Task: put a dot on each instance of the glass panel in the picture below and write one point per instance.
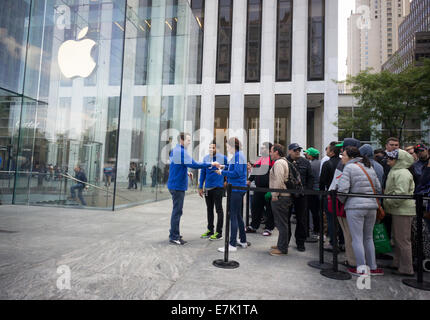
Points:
(284, 40)
(13, 40)
(316, 40)
(221, 123)
(253, 43)
(252, 125)
(282, 119)
(225, 17)
(10, 111)
(198, 7)
(170, 30)
(73, 71)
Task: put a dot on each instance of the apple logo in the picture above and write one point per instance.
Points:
(74, 57)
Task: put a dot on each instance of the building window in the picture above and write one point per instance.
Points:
(198, 7)
(252, 125)
(142, 42)
(284, 40)
(170, 29)
(225, 19)
(253, 41)
(316, 40)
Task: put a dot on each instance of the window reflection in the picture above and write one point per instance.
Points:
(284, 40)
(316, 40)
(253, 41)
(225, 16)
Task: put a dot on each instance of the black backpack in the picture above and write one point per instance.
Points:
(294, 181)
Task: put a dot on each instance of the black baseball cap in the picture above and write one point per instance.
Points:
(294, 146)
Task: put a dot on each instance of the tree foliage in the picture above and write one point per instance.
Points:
(389, 103)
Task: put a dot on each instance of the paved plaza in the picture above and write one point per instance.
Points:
(126, 255)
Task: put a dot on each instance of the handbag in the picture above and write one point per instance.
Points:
(380, 213)
(381, 239)
(340, 207)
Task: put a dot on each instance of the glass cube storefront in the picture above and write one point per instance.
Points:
(95, 84)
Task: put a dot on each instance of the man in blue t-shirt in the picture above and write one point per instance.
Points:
(213, 191)
(177, 184)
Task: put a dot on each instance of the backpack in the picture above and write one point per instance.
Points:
(294, 182)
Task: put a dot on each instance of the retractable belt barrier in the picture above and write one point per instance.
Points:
(331, 270)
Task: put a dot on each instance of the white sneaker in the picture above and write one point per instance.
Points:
(242, 244)
(230, 249)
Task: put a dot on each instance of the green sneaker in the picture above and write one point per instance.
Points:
(216, 236)
(207, 234)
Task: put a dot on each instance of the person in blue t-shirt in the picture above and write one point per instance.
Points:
(177, 183)
(213, 191)
(236, 173)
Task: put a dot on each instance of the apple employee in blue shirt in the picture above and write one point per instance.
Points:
(177, 184)
(236, 173)
(214, 191)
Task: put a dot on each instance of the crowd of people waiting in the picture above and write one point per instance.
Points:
(348, 167)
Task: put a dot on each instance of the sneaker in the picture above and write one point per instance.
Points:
(274, 247)
(207, 234)
(354, 272)
(178, 242)
(377, 272)
(250, 229)
(215, 236)
(230, 249)
(244, 245)
(277, 252)
(301, 248)
(267, 233)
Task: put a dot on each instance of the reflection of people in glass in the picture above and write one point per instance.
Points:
(108, 171)
(132, 176)
(154, 176)
(144, 175)
(80, 185)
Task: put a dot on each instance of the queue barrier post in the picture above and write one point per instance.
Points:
(320, 264)
(334, 273)
(224, 263)
(419, 283)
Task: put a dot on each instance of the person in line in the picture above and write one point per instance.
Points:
(345, 232)
(236, 172)
(312, 155)
(423, 159)
(359, 177)
(107, 171)
(411, 151)
(80, 185)
(281, 202)
(260, 175)
(366, 150)
(326, 177)
(400, 182)
(132, 176)
(213, 192)
(177, 184)
(299, 203)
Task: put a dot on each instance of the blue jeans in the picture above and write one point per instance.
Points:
(178, 203)
(236, 203)
(78, 187)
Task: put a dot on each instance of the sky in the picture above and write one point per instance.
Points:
(345, 7)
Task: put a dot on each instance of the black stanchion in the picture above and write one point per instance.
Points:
(334, 273)
(247, 208)
(419, 283)
(224, 263)
(320, 264)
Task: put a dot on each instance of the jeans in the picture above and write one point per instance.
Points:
(301, 226)
(236, 203)
(361, 224)
(178, 204)
(313, 205)
(78, 187)
(214, 197)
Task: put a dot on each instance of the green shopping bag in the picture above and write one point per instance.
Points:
(381, 239)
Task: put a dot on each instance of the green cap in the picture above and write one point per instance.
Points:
(340, 144)
(312, 152)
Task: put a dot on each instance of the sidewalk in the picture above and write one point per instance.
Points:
(126, 255)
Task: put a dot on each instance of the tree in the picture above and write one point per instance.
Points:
(392, 102)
